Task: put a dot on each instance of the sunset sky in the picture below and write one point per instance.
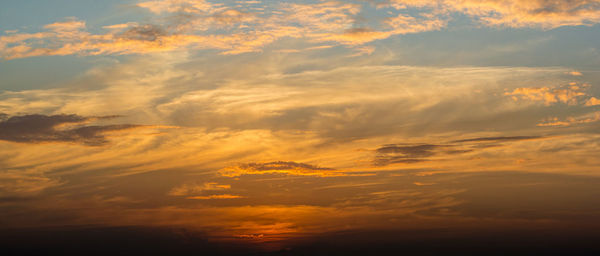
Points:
(272, 122)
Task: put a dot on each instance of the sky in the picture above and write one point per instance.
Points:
(278, 123)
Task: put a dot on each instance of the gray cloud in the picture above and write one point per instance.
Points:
(146, 32)
(398, 153)
(282, 165)
(43, 128)
(278, 167)
(415, 153)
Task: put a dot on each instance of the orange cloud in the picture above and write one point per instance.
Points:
(187, 6)
(593, 101)
(70, 28)
(190, 189)
(565, 94)
(423, 183)
(588, 118)
(225, 196)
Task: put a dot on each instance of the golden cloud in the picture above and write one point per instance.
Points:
(224, 196)
(593, 101)
(549, 95)
(584, 119)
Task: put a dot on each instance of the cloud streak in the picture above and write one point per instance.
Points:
(191, 189)
(418, 153)
(279, 167)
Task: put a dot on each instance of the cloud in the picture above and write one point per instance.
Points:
(24, 183)
(224, 196)
(414, 153)
(57, 128)
(418, 153)
(144, 33)
(191, 189)
(72, 24)
(196, 25)
(390, 154)
(234, 29)
(279, 167)
(583, 119)
(186, 6)
(546, 14)
(569, 94)
(231, 29)
(499, 139)
(424, 183)
(593, 101)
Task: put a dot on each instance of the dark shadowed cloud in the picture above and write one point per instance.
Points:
(397, 153)
(403, 153)
(416, 153)
(56, 128)
(146, 32)
(282, 167)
